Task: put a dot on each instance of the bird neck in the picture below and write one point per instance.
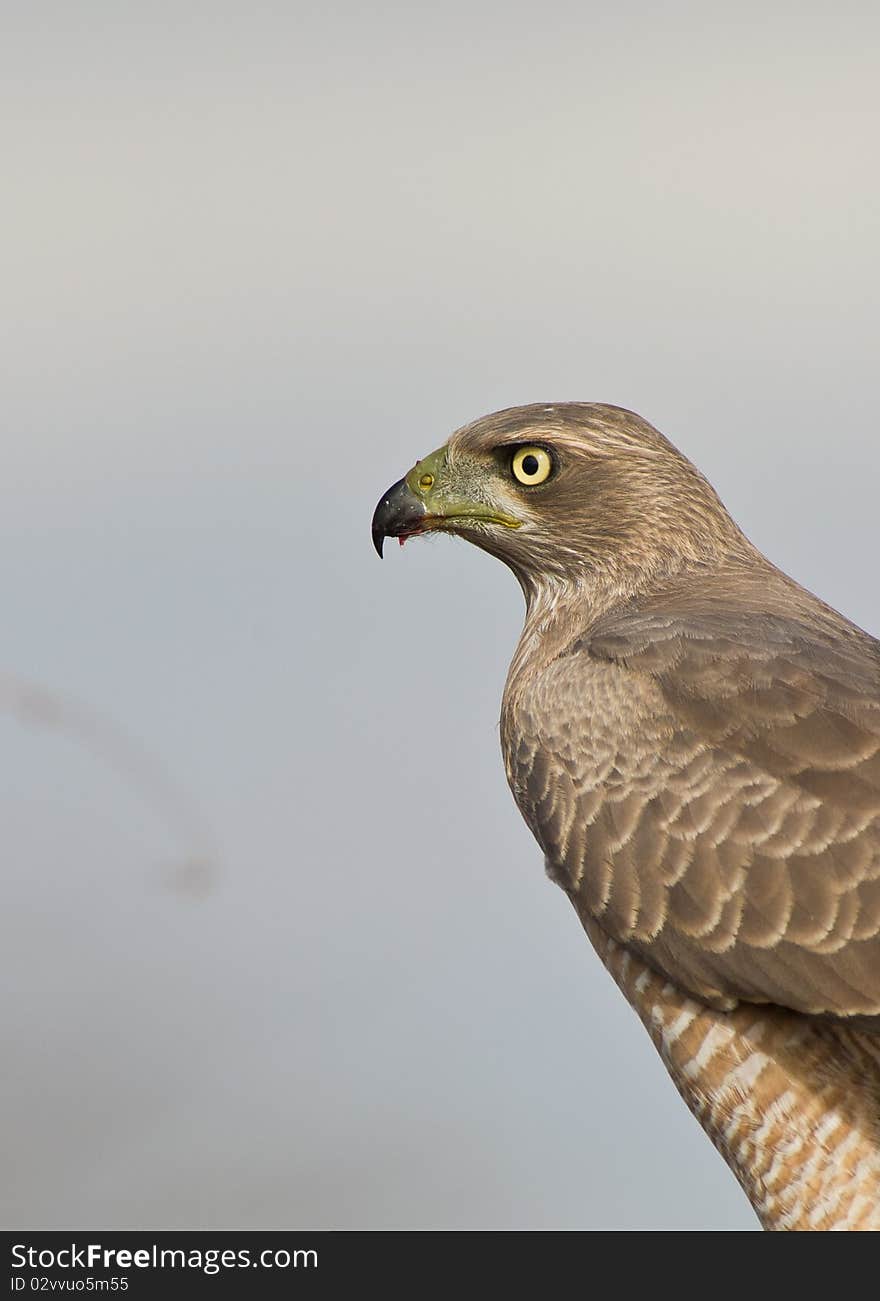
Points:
(562, 607)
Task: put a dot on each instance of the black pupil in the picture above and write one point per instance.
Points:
(530, 466)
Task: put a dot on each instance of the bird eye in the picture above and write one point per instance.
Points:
(531, 465)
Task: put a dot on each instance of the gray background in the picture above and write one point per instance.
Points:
(298, 964)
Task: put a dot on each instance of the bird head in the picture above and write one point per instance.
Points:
(573, 493)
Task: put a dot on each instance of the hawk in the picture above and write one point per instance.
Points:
(694, 741)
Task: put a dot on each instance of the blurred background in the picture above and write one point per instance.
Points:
(278, 951)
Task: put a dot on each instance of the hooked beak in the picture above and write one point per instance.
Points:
(426, 499)
(399, 514)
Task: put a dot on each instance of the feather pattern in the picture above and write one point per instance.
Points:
(722, 803)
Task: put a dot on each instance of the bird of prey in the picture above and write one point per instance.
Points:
(694, 741)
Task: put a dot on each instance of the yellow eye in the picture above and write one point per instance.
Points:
(531, 465)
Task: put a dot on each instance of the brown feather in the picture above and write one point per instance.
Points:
(694, 741)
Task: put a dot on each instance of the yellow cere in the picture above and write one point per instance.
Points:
(531, 465)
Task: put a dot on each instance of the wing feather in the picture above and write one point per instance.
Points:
(704, 778)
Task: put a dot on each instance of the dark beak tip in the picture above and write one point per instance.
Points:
(399, 513)
(379, 528)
